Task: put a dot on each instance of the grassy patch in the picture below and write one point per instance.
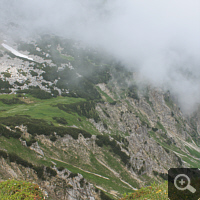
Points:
(153, 192)
(160, 126)
(112, 184)
(6, 74)
(39, 109)
(14, 146)
(13, 189)
(185, 157)
(193, 152)
(108, 98)
(148, 180)
(143, 118)
(69, 58)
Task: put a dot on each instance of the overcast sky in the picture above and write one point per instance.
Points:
(160, 38)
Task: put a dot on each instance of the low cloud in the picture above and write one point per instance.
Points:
(160, 39)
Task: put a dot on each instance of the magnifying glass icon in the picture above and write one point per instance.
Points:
(182, 182)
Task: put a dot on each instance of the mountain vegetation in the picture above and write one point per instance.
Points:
(17, 190)
(75, 121)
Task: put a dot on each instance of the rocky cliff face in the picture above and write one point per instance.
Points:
(65, 186)
(136, 119)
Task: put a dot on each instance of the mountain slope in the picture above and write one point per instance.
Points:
(77, 110)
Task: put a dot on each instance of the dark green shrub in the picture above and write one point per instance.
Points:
(66, 173)
(45, 84)
(166, 150)
(121, 139)
(40, 130)
(5, 85)
(38, 126)
(18, 83)
(96, 190)
(113, 103)
(115, 148)
(30, 142)
(104, 139)
(6, 74)
(72, 175)
(168, 141)
(51, 172)
(53, 138)
(61, 169)
(86, 109)
(7, 91)
(16, 135)
(105, 125)
(145, 124)
(81, 88)
(141, 170)
(154, 129)
(36, 92)
(99, 143)
(106, 114)
(3, 154)
(133, 92)
(40, 171)
(7, 133)
(33, 73)
(54, 93)
(155, 173)
(60, 120)
(85, 134)
(15, 158)
(82, 182)
(104, 196)
(163, 176)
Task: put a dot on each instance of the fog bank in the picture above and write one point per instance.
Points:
(160, 39)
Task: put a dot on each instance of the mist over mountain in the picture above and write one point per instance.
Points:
(98, 99)
(158, 39)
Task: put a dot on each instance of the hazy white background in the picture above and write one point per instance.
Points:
(160, 38)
